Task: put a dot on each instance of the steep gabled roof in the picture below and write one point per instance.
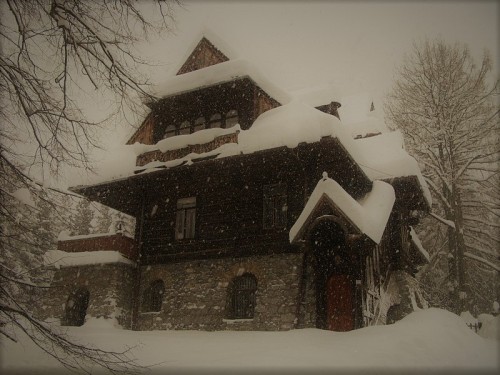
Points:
(369, 215)
(205, 54)
(216, 74)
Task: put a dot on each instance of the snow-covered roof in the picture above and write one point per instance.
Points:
(384, 157)
(381, 157)
(216, 74)
(65, 236)
(61, 259)
(317, 96)
(369, 214)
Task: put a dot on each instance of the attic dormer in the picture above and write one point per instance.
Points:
(209, 91)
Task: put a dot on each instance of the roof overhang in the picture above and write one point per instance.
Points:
(368, 215)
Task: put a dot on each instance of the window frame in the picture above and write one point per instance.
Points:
(184, 128)
(242, 297)
(170, 131)
(199, 124)
(152, 299)
(231, 119)
(185, 219)
(275, 206)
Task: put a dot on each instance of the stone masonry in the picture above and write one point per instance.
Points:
(196, 293)
(110, 287)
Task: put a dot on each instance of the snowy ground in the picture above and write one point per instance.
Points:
(431, 340)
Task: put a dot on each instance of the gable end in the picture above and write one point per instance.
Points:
(205, 54)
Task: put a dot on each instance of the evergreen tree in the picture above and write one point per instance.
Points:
(82, 220)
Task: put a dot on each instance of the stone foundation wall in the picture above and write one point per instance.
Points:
(110, 288)
(196, 293)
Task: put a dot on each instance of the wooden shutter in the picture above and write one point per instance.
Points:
(179, 224)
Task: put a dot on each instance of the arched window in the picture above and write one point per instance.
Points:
(153, 296)
(170, 131)
(76, 307)
(185, 128)
(199, 124)
(215, 121)
(231, 118)
(241, 297)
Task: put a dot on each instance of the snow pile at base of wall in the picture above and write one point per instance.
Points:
(426, 341)
(61, 259)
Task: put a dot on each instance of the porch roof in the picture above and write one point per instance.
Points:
(369, 214)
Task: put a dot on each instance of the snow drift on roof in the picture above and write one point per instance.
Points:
(61, 259)
(369, 215)
(288, 125)
(380, 157)
(317, 96)
(384, 157)
(216, 74)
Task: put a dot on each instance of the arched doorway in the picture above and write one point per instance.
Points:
(335, 297)
(76, 307)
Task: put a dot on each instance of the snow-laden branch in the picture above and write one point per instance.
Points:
(482, 260)
(449, 223)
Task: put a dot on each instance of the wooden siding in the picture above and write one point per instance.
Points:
(204, 54)
(263, 102)
(126, 246)
(229, 195)
(144, 134)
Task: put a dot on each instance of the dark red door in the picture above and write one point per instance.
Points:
(339, 303)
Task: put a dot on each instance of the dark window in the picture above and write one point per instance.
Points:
(231, 118)
(199, 124)
(275, 206)
(186, 218)
(153, 296)
(185, 128)
(242, 297)
(215, 121)
(76, 307)
(170, 131)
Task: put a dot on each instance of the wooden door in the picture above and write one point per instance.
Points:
(339, 303)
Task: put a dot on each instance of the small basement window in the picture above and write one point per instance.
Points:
(185, 218)
(153, 296)
(241, 297)
(76, 307)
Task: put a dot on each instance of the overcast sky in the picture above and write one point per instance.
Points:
(354, 45)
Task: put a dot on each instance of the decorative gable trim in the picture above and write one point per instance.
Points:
(205, 54)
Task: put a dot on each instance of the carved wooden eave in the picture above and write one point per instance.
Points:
(169, 155)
